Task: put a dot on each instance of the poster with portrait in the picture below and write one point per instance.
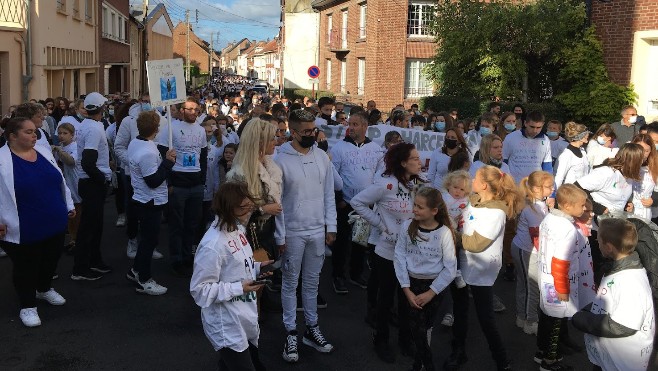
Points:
(166, 81)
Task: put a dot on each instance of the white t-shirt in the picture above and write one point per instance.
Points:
(43, 140)
(143, 160)
(525, 155)
(626, 297)
(608, 187)
(73, 121)
(438, 168)
(527, 228)
(188, 139)
(455, 207)
(569, 168)
(643, 190)
(481, 269)
(91, 135)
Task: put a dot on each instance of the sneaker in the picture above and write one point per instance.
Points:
(194, 248)
(459, 280)
(322, 304)
(520, 323)
(101, 268)
(498, 305)
(359, 282)
(157, 255)
(132, 276)
(150, 287)
(384, 352)
(530, 328)
(2, 253)
(327, 251)
(455, 360)
(121, 220)
(510, 273)
(86, 275)
(448, 320)
(539, 357)
(30, 317)
(52, 297)
(131, 249)
(290, 353)
(314, 338)
(339, 286)
(555, 366)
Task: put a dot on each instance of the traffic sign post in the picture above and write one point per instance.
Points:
(314, 73)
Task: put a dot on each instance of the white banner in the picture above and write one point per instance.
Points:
(425, 141)
(166, 82)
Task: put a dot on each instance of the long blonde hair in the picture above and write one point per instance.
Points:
(485, 147)
(254, 141)
(535, 179)
(503, 189)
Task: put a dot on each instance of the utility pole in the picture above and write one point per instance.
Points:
(187, 59)
(210, 56)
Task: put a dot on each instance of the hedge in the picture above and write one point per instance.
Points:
(293, 94)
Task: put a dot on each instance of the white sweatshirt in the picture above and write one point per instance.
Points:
(355, 164)
(455, 207)
(643, 190)
(229, 315)
(308, 199)
(569, 167)
(394, 205)
(438, 168)
(430, 256)
(597, 153)
(527, 228)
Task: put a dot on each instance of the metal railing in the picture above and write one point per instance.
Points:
(338, 39)
(418, 92)
(13, 13)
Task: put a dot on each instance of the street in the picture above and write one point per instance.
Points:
(105, 325)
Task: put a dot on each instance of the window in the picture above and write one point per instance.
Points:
(343, 32)
(105, 20)
(361, 82)
(330, 25)
(328, 73)
(362, 21)
(420, 19)
(76, 9)
(343, 76)
(89, 11)
(61, 6)
(416, 83)
(114, 25)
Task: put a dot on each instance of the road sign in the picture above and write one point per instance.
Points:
(314, 72)
(313, 81)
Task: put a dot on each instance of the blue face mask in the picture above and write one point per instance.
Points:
(600, 140)
(440, 125)
(146, 106)
(552, 134)
(287, 133)
(510, 127)
(484, 131)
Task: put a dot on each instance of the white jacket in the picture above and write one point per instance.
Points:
(128, 131)
(8, 207)
(229, 315)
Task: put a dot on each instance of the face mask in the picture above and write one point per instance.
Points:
(496, 163)
(285, 104)
(235, 112)
(146, 106)
(510, 127)
(451, 143)
(288, 134)
(484, 131)
(307, 141)
(600, 140)
(226, 102)
(111, 112)
(440, 125)
(552, 134)
(633, 119)
(324, 145)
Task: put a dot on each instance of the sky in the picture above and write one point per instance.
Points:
(233, 20)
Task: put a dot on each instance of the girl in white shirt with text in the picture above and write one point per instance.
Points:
(600, 146)
(572, 164)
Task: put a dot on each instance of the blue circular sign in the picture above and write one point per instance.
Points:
(314, 72)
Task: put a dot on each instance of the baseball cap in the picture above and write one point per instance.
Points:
(94, 101)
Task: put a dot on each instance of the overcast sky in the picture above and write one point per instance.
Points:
(232, 19)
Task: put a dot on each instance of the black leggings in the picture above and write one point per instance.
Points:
(422, 320)
(388, 286)
(34, 266)
(548, 335)
(247, 360)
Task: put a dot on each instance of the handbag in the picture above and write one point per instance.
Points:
(360, 228)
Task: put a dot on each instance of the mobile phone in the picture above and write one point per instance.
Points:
(270, 267)
(261, 282)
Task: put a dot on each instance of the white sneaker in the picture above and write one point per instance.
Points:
(520, 322)
(2, 253)
(459, 280)
(131, 250)
(30, 317)
(157, 255)
(150, 287)
(121, 220)
(448, 320)
(52, 297)
(530, 328)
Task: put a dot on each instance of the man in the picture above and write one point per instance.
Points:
(355, 158)
(186, 184)
(626, 128)
(307, 223)
(326, 106)
(414, 110)
(371, 105)
(93, 169)
(341, 118)
(528, 150)
(494, 107)
(338, 107)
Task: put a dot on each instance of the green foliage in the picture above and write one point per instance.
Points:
(293, 94)
(591, 96)
(473, 108)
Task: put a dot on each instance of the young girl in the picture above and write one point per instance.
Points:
(425, 264)
(536, 188)
(66, 155)
(572, 164)
(643, 189)
(600, 146)
(226, 162)
(496, 199)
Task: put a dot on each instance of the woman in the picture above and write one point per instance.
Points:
(644, 189)
(490, 153)
(392, 196)
(520, 113)
(572, 163)
(508, 124)
(33, 218)
(400, 119)
(61, 108)
(600, 146)
(440, 158)
(36, 113)
(224, 281)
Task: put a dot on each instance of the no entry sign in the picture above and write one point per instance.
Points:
(314, 72)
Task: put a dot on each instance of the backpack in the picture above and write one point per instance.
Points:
(647, 249)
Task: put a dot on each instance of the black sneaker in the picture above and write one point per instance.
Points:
(384, 352)
(322, 304)
(359, 282)
(314, 338)
(555, 366)
(101, 268)
(455, 360)
(339, 286)
(510, 273)
(290, 353)
(85, 275)
(539, 357)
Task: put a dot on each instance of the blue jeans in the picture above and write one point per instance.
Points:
(184, 218)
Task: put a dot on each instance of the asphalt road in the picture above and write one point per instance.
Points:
(105, 325)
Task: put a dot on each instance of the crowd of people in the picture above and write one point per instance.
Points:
(255, 198)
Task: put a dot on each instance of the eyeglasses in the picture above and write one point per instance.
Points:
(308, 132)
(191, 109)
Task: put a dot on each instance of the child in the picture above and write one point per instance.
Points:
(457, 186)
(562, 271)
(572, 164)
(558, 144)
(496, 200)
(226, 162)
(536, 188)
(66, 155)
(619, 323)
(425, 264)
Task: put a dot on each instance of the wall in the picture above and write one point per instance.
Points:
(300, 49)
(12, 64)
(114, 53)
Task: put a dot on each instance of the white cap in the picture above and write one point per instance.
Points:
(94, 101)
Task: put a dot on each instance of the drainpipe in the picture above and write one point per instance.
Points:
(27, 53)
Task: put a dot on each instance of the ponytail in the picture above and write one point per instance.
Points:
(535, 179)
(503, 189)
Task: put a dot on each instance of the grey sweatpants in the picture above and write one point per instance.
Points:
(527, 288)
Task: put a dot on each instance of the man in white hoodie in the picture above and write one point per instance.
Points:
(310, 221)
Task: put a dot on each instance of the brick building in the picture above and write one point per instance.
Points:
(114, 47)
(388, 67)
(199, 49)
(628, 30)
(229, 59)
